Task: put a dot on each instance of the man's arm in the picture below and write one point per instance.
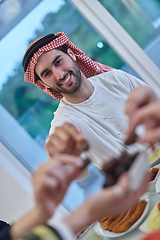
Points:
(50, 182)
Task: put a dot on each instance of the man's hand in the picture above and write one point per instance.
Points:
(66, 139)
(138, 98)
(149, 116)
(142, 107)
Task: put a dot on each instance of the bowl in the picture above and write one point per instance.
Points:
(151, 185)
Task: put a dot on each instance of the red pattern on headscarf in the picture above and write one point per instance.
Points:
(87, 66)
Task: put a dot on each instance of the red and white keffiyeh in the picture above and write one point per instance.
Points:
(87, 66)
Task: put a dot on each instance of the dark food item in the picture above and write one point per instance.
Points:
(154, 172)
(131, 139)
(116, 166)
(86, 161)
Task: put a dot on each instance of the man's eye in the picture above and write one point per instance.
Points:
(47, 73)
(58, 62)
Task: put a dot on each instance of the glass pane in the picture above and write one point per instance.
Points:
(32, 108)
(141, 19)
(12, 12)
(27, 111)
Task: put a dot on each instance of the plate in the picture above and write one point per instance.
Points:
(83, 232)
(143, 227)
(97, 227)
(157, 184)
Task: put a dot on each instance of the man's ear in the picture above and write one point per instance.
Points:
(71, 53)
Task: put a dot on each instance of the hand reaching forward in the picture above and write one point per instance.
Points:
(66, 139)
(149, 116)
(139, 98)
(142, 108)
(51, 181)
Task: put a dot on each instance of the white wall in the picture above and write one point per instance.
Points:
(16, 196)
(16, 193)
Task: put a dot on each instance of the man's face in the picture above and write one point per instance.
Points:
(59, 71)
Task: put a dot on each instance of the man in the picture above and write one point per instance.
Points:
(91, 95)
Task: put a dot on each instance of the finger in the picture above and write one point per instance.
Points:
(66, 159)
(66, 139)
(149, 116)
(152, 136)
(123, 181)
(46, 183)
(59, 142)
(80, 142)
(140, 97)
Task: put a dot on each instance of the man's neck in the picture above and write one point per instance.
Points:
(82, 94)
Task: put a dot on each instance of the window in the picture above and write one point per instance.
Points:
(141, 19)
(26, 112)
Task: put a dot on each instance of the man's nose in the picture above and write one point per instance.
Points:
(58, 73)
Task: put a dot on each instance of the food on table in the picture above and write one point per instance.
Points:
(154, 156)
(152, 236)
(116, 166)
(154, 172)
(131, 139)
(122, 222)
(153, 221)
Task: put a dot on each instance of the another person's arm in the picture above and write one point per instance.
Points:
(104, 203)
(50, 181)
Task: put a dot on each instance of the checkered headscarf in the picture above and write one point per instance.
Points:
(87, 66)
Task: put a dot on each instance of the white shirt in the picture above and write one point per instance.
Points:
(101, 118)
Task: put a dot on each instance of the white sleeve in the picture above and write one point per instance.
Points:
(63, 230)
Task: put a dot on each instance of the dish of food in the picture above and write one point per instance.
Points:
(152, 223)
(154, 156)
(155, 172)
(123, 223)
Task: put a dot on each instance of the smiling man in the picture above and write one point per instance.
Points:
(92, 98)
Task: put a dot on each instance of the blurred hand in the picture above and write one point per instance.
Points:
(141, 108)
(51, 180)
(149, 116)
(138, 98)
(66, 139)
